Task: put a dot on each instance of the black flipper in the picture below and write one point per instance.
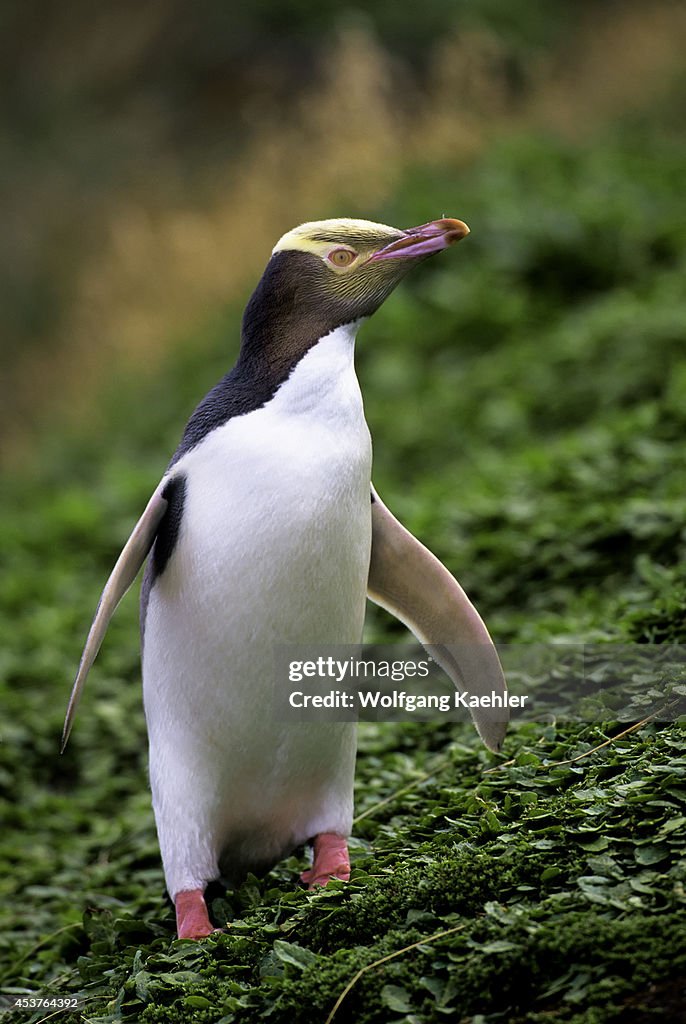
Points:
(124, 573)
(409, 581)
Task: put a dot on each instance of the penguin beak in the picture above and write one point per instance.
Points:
(424, 240)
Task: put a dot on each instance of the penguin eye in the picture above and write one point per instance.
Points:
(342, 257)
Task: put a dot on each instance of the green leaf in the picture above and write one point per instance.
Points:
(293, 954)
(396, 999)
(651, 854)
(497, 946)
(595, 845)
(143, 985)
(198, 1002)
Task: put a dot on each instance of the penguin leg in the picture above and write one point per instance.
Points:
(331, 860)
(192, 918)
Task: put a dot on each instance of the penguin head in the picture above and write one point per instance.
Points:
(327, 273)
(353, 265)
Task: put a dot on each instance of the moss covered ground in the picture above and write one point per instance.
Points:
(527, 399)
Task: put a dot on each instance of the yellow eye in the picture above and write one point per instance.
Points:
(342, 257)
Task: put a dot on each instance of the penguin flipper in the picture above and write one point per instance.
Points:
(409, 581)
(126, 569)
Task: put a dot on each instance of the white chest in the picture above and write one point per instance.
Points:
(276, 529)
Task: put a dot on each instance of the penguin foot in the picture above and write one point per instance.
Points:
(331, 860)
(192, 919)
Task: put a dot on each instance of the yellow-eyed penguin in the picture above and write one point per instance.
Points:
(265, 530)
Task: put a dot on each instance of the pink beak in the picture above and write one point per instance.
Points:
(424, 240)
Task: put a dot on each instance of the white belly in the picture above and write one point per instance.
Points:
(274, 548)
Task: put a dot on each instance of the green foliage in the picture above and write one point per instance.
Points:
(527, 398)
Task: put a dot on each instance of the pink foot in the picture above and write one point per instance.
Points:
(330, 860)
(192, 919)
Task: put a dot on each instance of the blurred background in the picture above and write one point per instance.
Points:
(150, 155)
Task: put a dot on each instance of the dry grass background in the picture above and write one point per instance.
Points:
(171, 251)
